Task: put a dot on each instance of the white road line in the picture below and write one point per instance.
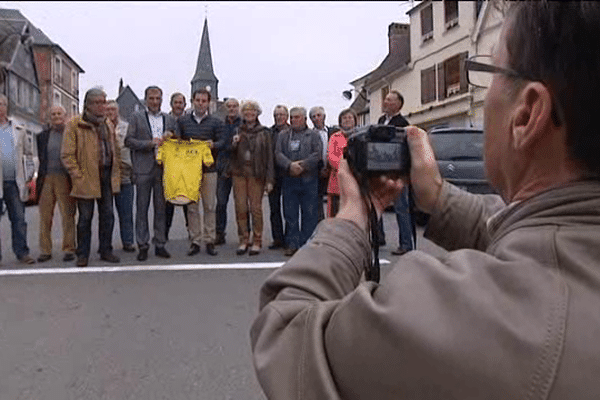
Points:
(144, 268)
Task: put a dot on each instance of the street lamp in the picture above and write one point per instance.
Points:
(347, 94)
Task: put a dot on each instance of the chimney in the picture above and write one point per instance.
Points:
(399, 40)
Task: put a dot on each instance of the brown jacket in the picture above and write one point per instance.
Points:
(258, 142)
(79, 155)
(514, 314)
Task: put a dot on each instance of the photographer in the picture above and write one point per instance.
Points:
(512, 313)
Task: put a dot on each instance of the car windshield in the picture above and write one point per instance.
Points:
(457, 146)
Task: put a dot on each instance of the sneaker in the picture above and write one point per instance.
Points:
(27, 259)
(242, 249)
(44, 257)
(254, 250)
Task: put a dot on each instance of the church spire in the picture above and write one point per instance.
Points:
(205, 75)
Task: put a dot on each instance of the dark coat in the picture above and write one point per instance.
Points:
(397, 120)
(42, 148)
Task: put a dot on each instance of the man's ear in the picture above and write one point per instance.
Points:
(531, 115)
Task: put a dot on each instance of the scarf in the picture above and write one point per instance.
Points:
(104, 148)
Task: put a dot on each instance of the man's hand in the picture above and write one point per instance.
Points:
(210, 143)
(157, 141)
(296, 168)
(424, 173)
(269, 188)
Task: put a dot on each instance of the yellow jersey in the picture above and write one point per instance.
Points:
(182, 172)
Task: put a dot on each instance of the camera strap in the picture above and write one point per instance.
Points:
(373, 271)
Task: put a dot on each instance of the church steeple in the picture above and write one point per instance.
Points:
(205, 75)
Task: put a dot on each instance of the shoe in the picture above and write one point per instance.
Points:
(27, 259)
(142, 255)
(399, 251)
(290, 252)
(110, 257)
(210, 249)
(276, 245)
(68, 257)
(129, 248)
(194, 249)
(82, 262)
(161, 252)
(220, 239)
(44, 257)
(254, 250)
(242, 249)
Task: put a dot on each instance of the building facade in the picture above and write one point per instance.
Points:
(58, 73)
(433, 81)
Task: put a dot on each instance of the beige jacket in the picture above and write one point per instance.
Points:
(19, 133)
(79, 154)
(515, 314)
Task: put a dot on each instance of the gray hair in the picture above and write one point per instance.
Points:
(315, 110)
(251, 104)
(232, 100)
(113, 103)
(93, 92)
(281, 107)
(298, 110)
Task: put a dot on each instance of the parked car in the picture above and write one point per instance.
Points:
(459, 155)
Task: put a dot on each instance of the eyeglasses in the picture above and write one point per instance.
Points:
(480, 74)
(480, 71)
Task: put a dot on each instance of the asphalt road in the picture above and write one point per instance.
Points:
(167, 329)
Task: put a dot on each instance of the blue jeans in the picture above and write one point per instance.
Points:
(275, 212)
(300, 196)
(403, 217)
(223, 191)
(124, 206)
(16, 215)
(106, 218)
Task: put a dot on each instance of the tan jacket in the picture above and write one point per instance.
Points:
(517, 316)
(79, 155)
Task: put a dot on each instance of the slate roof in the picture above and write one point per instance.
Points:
(10, 35)
(14, 17)
(204, 67)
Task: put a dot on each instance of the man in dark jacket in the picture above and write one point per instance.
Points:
(200, 125)
(224, 182)
(280, 116)
(392, 104)
(53, 185)
(146, 132)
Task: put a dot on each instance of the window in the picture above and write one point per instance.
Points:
(57, 96)
(66, 76)
(478, 7)
(57, 70)
(427, 23)
(74, 83)
(452, 76)
(428, 85)
(451, 13)
(384, 92)
(74, 110)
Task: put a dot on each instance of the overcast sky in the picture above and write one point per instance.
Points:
(295, 53)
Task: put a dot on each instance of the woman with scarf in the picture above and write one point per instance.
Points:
(338, 141)
(252, 172)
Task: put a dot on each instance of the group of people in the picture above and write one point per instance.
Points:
(98, 158)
